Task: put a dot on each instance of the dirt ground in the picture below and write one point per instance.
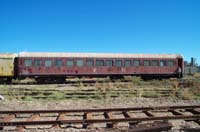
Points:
(78, 103)
(107, 103)
(90, 103)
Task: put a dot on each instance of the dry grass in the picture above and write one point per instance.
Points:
(186, 95)
(190, 90)
(104, 90)
(196, 89)
(137, 80)
(197, 75)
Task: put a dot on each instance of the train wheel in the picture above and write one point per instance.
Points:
(5, 80)
(60, 80)
(1, 81)
(9, 81)
(40, 80)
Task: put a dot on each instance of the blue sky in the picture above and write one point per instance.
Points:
(111, 26)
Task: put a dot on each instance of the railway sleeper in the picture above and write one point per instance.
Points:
(61, 116)
(87, 116)
(108, 115)
(32, 118)
(156, 126)
(190, 129)
(128, 115)
(7, 119)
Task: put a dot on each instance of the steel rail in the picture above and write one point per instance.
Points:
(100, 109)
(50, 122)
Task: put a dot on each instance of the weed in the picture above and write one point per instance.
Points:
(140, 92)
(58, 95)
(80, 84)
(151, 94)
(186, 95)
(136, 80)
(27, 98)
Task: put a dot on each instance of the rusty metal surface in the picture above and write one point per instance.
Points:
(152, 127)
(64, 70)
(107, 120)
(188, 108)
(89, 117)
(61, 116)
(190, 129)
(108, 115)
(94, 70)
(8, 118)
(32, 118)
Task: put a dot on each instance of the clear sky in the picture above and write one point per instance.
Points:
(110, 26)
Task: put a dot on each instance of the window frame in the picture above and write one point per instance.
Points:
(108, 63)
(157, 63)
(78, 64)
(136, 60)
(25, 62)
(40, 63)
(164, 64)
(56, 62)
(119, 60)
(144, 63)
(173, 63)
(45, 63)
(70, 60)
(125, 64)
(99, 60)
(90, 60)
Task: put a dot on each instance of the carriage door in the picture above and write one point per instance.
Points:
(180, 64)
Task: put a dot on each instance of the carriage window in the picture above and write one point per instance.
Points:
(127, 63)
(58, 63)
(70, 63)
(99, 62)
(89, 63)
(136, 63)
(28, 63)
(79, 62)
(163, 63)
(170, 63)
(146, 63)
(109, 63)
(38, 63)
(48, 63)
(118, 63)
(154, 63)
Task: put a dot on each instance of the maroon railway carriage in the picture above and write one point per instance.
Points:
(57, 66)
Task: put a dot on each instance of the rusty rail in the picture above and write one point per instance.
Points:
(101, 109)
(8, 118)
(17, 123)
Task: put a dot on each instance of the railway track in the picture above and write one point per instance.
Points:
(124, 82)
(134, 118)
(85, 93)
(93, 89)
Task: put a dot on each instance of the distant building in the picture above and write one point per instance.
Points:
(193, 62)
(191, 68)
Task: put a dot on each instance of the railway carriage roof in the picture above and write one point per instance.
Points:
(96, 55)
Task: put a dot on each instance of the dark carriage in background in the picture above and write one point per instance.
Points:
(58, 66)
